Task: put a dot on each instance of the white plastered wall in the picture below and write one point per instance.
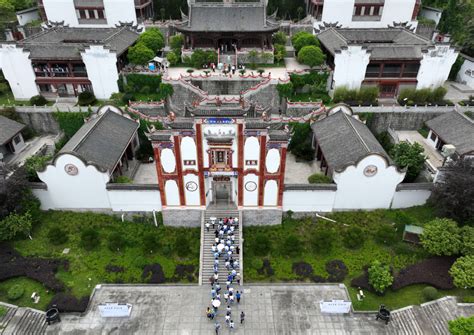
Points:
(251, 194)
(251, 152)
(341, 11)
(135, 200)
(355, 190)
(410, 198)
(86, 190)
(118, 11)
(270, 196)
(18, 71)
(466, 73)
(309, 201)
(350, 66)
(101, 65)
(192, 197)
(188, 153)
(435, 66)
(61, 10)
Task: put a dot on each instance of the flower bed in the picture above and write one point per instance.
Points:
(39, 269)
(432, 271)
(153, 274)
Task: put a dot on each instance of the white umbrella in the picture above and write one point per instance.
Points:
(220, 247)
(216, 303)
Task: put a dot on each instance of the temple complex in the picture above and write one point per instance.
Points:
(228, 26)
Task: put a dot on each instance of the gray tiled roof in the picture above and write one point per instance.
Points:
(456, 129)
(181, 125)
(218, 112)
(383, 43)
(68, 43)
(103, 140)
(234, 18)
(161, 136)
(278, 135)
(345, 140)
(8, 129)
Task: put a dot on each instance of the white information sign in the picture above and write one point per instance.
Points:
(115, 310)
(335, 306)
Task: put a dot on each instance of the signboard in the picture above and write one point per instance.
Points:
(335, 306)
(115, 310)
(221, 174)
(215, 120)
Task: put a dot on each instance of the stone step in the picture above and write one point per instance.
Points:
(8, 316)
(26, 321)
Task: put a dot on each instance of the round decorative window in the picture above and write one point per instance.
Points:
(250, 186)
(191, 186)
(71, 169)
(370, 171)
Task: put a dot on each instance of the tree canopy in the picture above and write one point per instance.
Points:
(441, 237)
(140, 54)
(153, 39)
(453, 194)
(311, 55)
(410, 156)
(462, 272)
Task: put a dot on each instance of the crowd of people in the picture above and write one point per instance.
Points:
(224, 249)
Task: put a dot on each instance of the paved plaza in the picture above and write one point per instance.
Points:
(170, 310)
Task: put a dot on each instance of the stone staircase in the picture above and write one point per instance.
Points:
(20, 321)
(207, 239)
(428, 318)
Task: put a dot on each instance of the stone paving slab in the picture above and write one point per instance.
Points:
(269, 309)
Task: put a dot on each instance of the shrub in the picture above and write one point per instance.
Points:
(291, 245)
(200, 57)
(462, 272)
(67, 303)
(467, 235)
(279, 38)
(34, 164)
(441, 237)
(368, 95)
(172, 57)
(432, 271)
(409, 156)
(153, 274)
(3, 311)
(15, 292)
(303, 39)
(266, 269)
(353, 237)
(322, 240)
(140, 54)
(181, 245)
(153, 39)
(279, 53)
(437, 95)
(285, 90)
(128, 97)
(380, 276)
(123, 180)
(311, 55)
(116, 241)
(90, 238)
(262, 245)
(176, 43)
(429, 293)
(302, 269)
(69, 122)
(150, 242)
(319, 178)
(15, 225)
(461, 326)
(57, 235)
(385, 234)
(86, 98)
(166, 90)
(300, 144)
(337, 270)
(38, 100)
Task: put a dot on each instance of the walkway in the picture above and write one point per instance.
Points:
(298, 172)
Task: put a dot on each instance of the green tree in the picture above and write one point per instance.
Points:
(176, 43)
(166, 90)
(279, 38)
(34, 164)
(140, 54)
(462, 326)
(322, 240)
(380, 277)
(15, 225)
(441, 237)
(7, 14)
(279, 53)
(410, 156)
(261, 245)
(462, 272)
(153, 39)
(172, 57)
(311, 55)
(285, 90)
(304, 39)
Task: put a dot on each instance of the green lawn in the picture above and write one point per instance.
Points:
(398, 254)
(30, 286)
(88, 268)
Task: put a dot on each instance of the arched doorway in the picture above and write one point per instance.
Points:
(227, 45)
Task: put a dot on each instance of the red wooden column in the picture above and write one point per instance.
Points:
(161, 182)
(281, 182)
(261, 178)
(200, 162)
(240, 164)
(179, 169)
